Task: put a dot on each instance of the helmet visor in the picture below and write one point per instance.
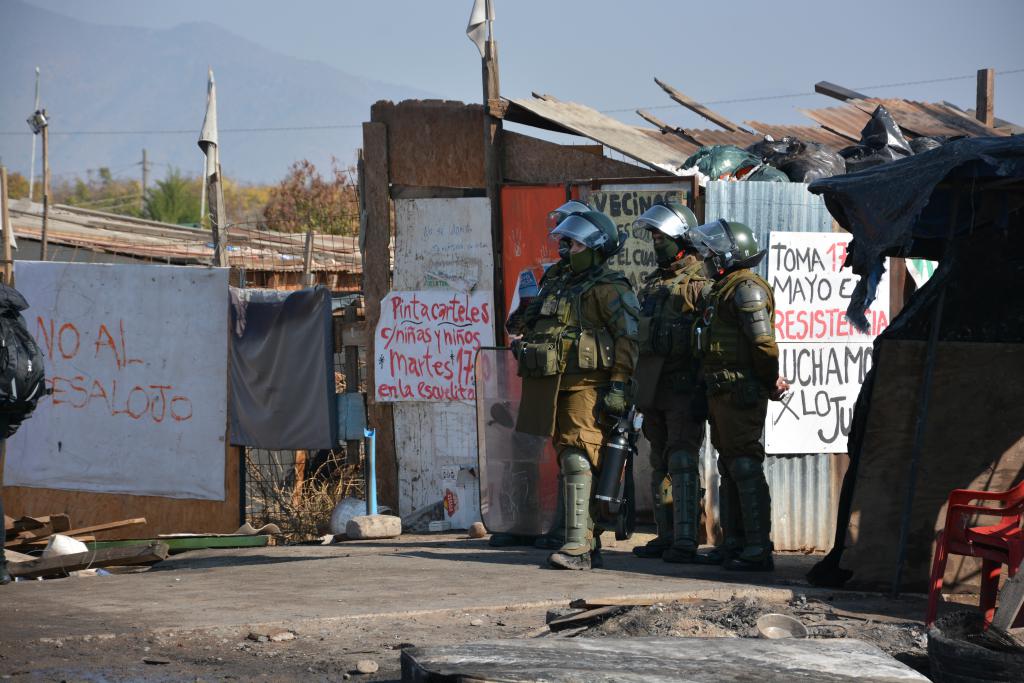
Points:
(661, 218)
(578, 228)
(570, 207)
(712, 238)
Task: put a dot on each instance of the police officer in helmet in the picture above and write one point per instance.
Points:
(735, 341)
(667, 392)
(576, 360)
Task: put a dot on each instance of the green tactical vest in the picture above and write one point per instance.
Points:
(718, 339)
(561, 341)
(667, 314)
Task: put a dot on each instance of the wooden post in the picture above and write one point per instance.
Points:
(307, 261)
(46, 191)
(376, 284)
(493, 175)
(351, 377)
(984, 109)
(218, 219)
(5, 224)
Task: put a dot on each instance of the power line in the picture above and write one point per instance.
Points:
(193, 131)
(811, 94)
(341, 126)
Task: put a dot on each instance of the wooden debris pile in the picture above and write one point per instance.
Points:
(33, 534)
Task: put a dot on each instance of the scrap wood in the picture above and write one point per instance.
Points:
(42, 542)
(586, 617)
(42, 535)
(93, 559)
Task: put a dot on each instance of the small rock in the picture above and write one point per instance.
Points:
(280, 635)
(367, 666)
(156, 660)
(477, 530)
(374, 526)
(344, 676)
(477, 622)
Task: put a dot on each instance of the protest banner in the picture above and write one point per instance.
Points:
(136, 359)
(426, 343)
(821, 354)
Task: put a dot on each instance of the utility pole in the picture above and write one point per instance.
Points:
(492, 167)
(46, 186)
(5, 223)
(145, 177)
(984, 109)
(32, 166)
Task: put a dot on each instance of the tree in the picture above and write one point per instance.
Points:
(175, 199)
(305, 200)
(17, 186)
(100, 191)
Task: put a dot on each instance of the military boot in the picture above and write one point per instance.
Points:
(686, 496)
(596, 558)
(5, 577)
(575, 552)
(756, 508)
(555, 537)
(731, 522)
(661, 490)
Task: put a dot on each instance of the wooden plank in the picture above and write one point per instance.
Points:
(1011, 598)
(698, 108)
(110, 557)
(109, 526)
(352, 384)
(180, 545)
(164, 515)
(665, 128)
(376, 283)
(418, 192)
(985, 108)
(493, 154)
(586, 617)
(837, 91)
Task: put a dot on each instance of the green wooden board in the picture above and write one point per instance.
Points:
(180, 545)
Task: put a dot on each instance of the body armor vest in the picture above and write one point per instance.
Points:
(561, 341)
(667, 315)
(718, 338)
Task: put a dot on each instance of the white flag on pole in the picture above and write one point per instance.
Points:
(208, 136)
(479, 17)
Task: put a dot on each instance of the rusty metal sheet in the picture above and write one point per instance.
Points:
(580, 119)
(846, 120)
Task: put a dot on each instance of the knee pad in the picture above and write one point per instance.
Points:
(743, 469)
(574, 461)
(683, 461)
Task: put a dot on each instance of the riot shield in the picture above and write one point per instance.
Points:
(518, 472)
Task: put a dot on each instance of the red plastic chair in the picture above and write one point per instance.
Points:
(996, 545)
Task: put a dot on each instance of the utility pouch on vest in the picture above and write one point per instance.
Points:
(587, 346)
(605, 349)
(677, 337)
(538, 359)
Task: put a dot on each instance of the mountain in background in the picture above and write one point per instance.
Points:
(122, 78)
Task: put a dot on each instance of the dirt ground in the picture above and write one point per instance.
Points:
(201, 615)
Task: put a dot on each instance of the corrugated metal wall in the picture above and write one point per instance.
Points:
(804, 487)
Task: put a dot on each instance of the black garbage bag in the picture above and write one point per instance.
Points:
(802, 162)
(881, 141)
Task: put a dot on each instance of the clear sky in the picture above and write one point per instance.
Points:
(605, 54)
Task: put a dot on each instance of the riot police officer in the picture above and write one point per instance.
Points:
(576, 361)
(521, 321)
(735, 340)
(666, 377)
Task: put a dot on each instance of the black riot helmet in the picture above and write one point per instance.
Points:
(558, 215)
(726, 245)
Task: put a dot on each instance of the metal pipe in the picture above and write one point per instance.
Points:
(371, 471)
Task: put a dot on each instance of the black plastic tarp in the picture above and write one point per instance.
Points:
(282, 369)
(895, 210)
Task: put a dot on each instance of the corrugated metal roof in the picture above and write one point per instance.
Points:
(168, 243)
(579, 119)
(915, 118)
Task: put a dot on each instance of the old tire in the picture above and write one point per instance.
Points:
(953, 659)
